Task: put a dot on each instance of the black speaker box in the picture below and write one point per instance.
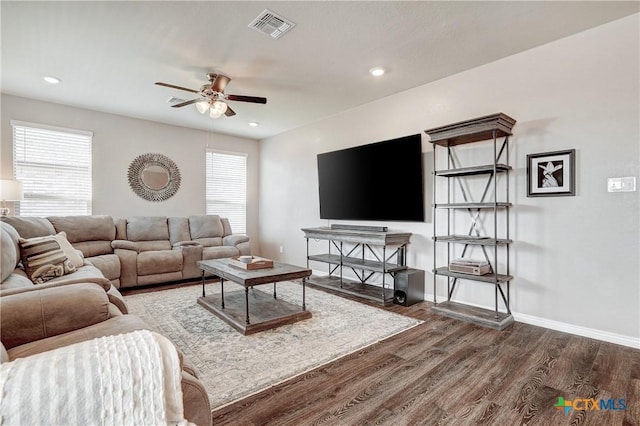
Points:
(408, 287)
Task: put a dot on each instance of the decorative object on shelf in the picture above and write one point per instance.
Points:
(470, 266)
(488, 233)
(154, 177)
(10, 190)
(551, 174)
(250, 262)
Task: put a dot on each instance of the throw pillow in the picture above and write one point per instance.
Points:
(71, 253)
(43, 259)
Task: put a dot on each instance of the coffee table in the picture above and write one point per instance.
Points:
(252, 311)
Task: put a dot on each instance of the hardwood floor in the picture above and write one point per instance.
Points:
(447, 372)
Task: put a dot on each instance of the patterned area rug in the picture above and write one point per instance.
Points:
(233, 366)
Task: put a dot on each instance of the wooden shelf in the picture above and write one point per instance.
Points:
(467, 239)
(354, 288)
(377, 238)
(477, 170)
(357, 263)
(471, 205)
(474, 314)
(488, 278)
(475, 130)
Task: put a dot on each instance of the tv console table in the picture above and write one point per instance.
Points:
(354, 250)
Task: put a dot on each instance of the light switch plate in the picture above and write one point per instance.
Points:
(621, 184)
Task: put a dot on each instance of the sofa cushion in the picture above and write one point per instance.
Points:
(209, 242)
(178, 229)
(43, 259)
(159, 262)
(208, 226)
(9, 250)
(108, 264)
(147, 228)
(153, 245)
(94, 248)
(17, 280)
(226, 226)
(30, 227)
(86, 274)
(85, 228)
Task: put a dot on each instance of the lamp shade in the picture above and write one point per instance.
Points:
(11, 190)
(202, 106)
(220, 106)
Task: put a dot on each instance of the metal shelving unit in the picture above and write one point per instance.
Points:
(493, 244)
(387, 258)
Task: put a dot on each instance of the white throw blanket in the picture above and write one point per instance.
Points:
(128, 379)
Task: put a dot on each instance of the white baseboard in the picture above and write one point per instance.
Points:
(605, 336)
(593, 333)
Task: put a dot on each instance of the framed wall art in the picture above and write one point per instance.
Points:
(551, 174)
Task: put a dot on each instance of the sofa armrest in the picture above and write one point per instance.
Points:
(62, 281)
(115, 297)
(191, 254)
(125, 245)
(234, 239)
(36, 315)
(197, 408)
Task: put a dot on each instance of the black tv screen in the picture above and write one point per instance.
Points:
(378, 182)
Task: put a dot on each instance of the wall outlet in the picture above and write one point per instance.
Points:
(281, 249)
(622, 184)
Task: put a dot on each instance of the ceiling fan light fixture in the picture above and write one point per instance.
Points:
(219, 106)
(214, 113)
(202, 106)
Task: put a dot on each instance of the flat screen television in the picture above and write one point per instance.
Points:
(376, 182)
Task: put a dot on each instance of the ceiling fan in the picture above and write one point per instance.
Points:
(212, 97)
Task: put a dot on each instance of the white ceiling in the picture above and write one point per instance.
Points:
(109, 54)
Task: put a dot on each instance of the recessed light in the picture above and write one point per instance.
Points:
(253, 124)
(377, 71)
(51, 80)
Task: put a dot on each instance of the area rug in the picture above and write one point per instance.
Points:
(232, 366)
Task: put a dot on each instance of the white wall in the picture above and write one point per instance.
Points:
(118, 140)
(575, 259)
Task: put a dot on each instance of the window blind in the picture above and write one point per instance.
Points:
(226, 188)
(54, 166)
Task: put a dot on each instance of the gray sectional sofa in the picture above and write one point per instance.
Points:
(81, 305)
(135, 251)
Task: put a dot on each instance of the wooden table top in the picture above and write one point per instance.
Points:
(280, 272)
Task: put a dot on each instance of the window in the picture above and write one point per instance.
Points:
(54, 165)
(227, 188)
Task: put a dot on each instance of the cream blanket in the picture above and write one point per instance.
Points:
(128, 379)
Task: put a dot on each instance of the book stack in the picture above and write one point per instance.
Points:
(470, 266)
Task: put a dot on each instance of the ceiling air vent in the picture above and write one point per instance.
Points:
(271, 24)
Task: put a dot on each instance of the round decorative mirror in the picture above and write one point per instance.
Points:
(154, 177)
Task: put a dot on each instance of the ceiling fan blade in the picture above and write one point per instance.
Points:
(185, 103)
(229, 112)
(173, 86)
(220, 83)
(254, 99)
